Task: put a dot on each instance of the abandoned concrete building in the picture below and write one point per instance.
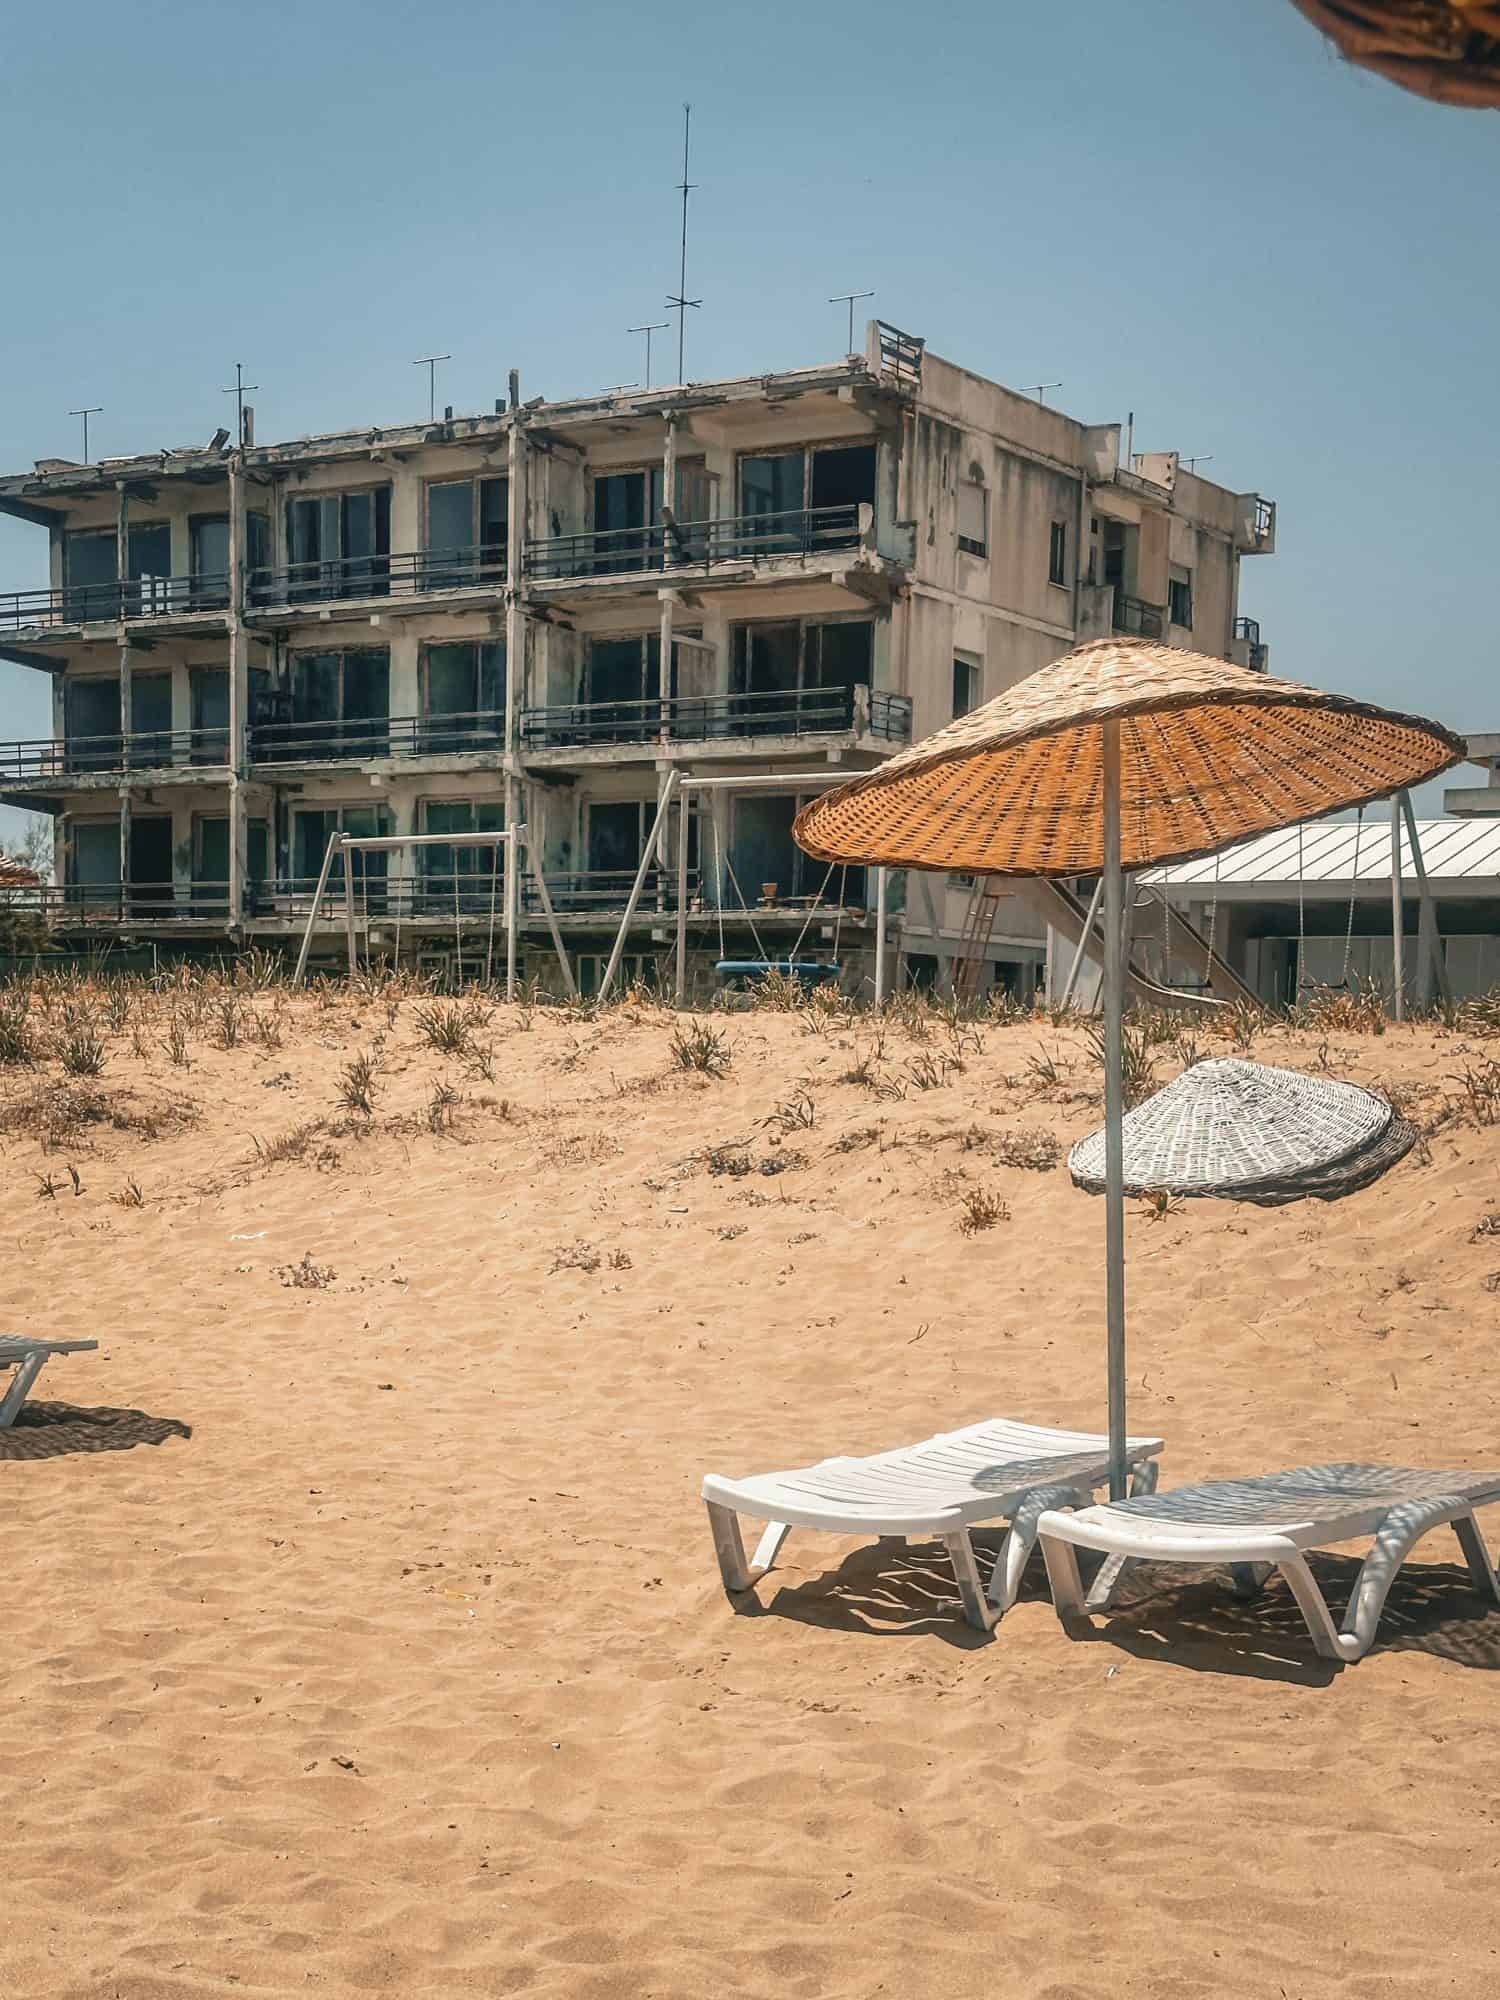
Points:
(537, 614)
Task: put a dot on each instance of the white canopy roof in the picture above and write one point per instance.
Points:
(1462, 857)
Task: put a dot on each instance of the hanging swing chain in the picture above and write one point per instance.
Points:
(489, 943)
(816, 906)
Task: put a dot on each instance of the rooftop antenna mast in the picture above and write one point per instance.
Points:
(93, 410)
(680, 303)
(1039, 390)
(1202, 458)
(238, 393)
(848, 298)
(654, 326)
(430, 362)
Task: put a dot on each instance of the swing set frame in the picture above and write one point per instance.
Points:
(512, 839)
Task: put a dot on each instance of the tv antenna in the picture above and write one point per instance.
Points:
(1202, 459)
(654, 326)
(93, 410)
(430, 362)
(1039, 390)
(681, 302)
(238, 393)
(848, 298)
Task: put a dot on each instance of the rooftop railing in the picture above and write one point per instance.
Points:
(89, 756)
(92, 603)
(356, 738)
(703, 545)
(403, 575)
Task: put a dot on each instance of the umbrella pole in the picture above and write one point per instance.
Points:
(1114, 1110)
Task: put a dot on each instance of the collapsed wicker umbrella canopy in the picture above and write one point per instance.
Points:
(1448, 50)
(1125, 754)
(1227, 1124)
(1209, 752)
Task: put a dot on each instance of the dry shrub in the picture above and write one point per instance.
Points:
(446, 1028)
(701, 1048)
(82, 1050)
(357, 1083)
(59, 1113)
(17, 1042)
(980, 1209)
(307, 1276)
(292, 1145)
(798, 1114)
(1037, 1151)
(576, 1256)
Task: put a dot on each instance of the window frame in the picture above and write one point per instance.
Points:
(1057, 553)
(1183, 584)
(968, 546)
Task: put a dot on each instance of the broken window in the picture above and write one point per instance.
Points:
(468, 523)
(464, 695)
(627, 521)
(973, 518)
(339, 544)
(805, 499)
(91, 572)
(965, 687)
(1180, 598)
(91, 724)
(150, 719)
(93, 853)
(209, 693)
(792, 677)
(313, 827)
(474, 875)
(768, 863)
(208, 549)
(340, 705)
(211, 850)
(617, 833)
(1057, 553)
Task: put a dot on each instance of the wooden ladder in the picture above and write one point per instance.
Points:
(979, 927)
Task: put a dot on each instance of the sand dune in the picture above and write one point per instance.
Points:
(408, 1671)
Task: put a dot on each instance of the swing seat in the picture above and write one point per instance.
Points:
(753, 971)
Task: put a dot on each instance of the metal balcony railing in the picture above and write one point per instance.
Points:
(703, 545)
(437, 894)
(708, 718)
(377, 736)
(125, 902)
(1134, 615)
(88, 603)
(91, 756)
(1247, 633)
(403, 575)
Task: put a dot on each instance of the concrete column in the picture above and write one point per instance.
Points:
(238, 689)
(516, 689)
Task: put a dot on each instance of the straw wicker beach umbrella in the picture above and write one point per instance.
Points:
(1126, 754)
(1446, 50)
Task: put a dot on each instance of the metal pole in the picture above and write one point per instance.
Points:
(510, 912)
(682, 886)
(652, 843)
(880, 881)
(1114, 1111)
(545, 898)
(1398, 970)
(1429, 905)
(1083, 944)
(312, 915)
(349, 913)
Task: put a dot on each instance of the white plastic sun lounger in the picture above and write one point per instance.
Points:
(29, 1357)
(1257, 1525)
(937, 1490)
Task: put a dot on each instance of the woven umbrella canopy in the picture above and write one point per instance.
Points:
(1446, 50)
(1125, 754)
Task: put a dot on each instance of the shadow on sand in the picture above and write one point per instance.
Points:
(1184, 1618)
(53, 1430)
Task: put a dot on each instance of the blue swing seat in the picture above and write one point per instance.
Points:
(752, 971)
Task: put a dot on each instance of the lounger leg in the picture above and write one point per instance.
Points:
(26, 1373)
(768, 1548)
(971, 1595)
(1249, 1579)
(1062, 1577)
(725, 1526)
(1314, 1608)
(1399, 1534)
(1112, 1569)
(1477, 1556)
(1020, 1540)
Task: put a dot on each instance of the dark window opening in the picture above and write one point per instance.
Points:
(340, 707)
(468, 525)
(91, 725)
(965, 687)
(1180, 601)
(844, 476)
(464, 687)
(339, 544)
(209, 694)
(1057, 554)
(208, 550)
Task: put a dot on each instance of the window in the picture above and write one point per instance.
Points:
(211, 849)
(339, 545)
(768, 864)
(833, 481)
(208, 552)
(150, 719)
(340, 706)
(468, 522)
(473, 875)
(312, 828)
(93, 854)
(1057, 554)
(627, 521)
(91, 724)
(1180, 598)
(463, 688)
(209, 692)
(965, 687)
(973, 518)
(92, 573)
(795, 677)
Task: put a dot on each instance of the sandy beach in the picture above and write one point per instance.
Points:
(408, 1669)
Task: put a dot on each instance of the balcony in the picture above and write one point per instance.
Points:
(473, 895)
(702, 546)
(354, 740)
(1135, 616)
(110, 603)
(714, 718)
(411, 574)
(1246, 648)
(50, 761)
(83, 905)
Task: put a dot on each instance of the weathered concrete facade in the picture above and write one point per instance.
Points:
(540, 612)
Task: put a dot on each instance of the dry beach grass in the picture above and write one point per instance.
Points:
(408, 1670)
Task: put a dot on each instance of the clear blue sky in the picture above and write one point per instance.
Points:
(1193, 212)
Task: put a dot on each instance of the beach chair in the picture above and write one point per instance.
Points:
(937, 1490)
(1255, 1526)
(28, 1358)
